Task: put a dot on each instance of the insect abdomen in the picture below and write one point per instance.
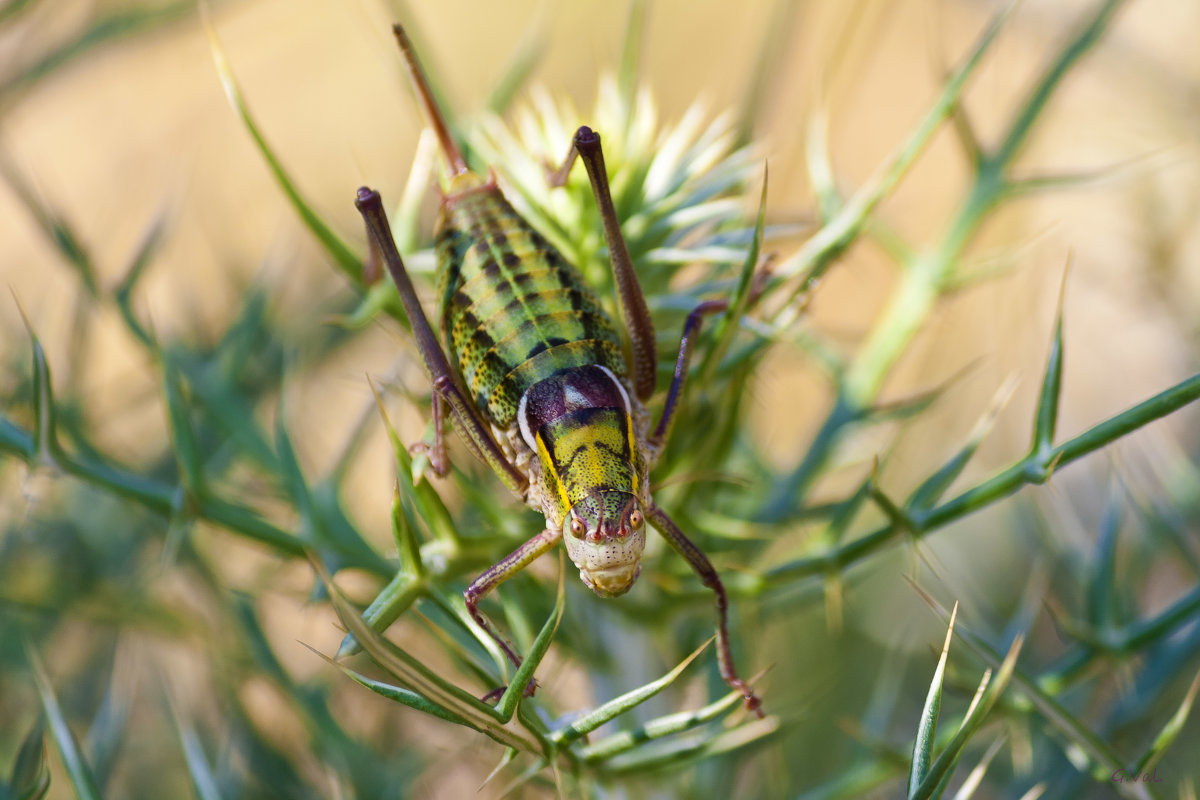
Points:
(513, 310)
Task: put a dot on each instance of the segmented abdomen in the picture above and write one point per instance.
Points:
(513, 310)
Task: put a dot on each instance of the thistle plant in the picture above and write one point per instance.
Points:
(153, 666)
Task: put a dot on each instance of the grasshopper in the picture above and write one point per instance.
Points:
(537, 377)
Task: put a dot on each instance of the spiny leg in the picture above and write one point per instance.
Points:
(474, 428)
(708, 576)
(629, 292)
(495, 575)
(691, 329)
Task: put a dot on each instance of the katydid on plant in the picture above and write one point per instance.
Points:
(537, 379)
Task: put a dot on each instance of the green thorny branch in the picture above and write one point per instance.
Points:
(689, 202)
(927, 273)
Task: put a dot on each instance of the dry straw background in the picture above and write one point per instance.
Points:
(139, 129)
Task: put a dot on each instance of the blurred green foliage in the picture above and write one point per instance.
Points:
(103, 562)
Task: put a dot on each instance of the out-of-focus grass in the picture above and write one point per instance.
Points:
(182, 426)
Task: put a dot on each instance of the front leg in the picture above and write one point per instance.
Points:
(708, 576)
(497, 574)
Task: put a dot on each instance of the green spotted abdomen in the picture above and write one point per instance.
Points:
(513, 310)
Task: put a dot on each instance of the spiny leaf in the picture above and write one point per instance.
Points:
(429, 685)
(45, 438)
(396, 694)
(1170, 731)
(179, 423)
(985, 698)
(342, 256)
(529, 51)
(1046, 421)
(614, 708)
(397, 597)
(54, 226)
(631, 53)
(294, 482)
(30, 779)
(661, 726)
(100, 31)
(78, 771)
(204, 782)
(1102, 585)
(927, 729)
(680, 752)
(975, 778)
(931, 490)
(407, 546)
(123, 293)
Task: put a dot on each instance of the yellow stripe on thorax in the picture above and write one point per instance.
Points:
(589, 450)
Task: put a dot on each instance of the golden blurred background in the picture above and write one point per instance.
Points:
(138, 131)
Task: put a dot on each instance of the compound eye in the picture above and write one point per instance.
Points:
(577, 527)
(635, 519)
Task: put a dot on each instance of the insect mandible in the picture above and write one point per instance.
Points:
(538, 381)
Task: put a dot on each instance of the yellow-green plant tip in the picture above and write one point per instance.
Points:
(30, 779)
(187, 456)
(54, 226)
(45, 443)
(377, 299)
(613, 708)
(83, 782)
(407, 547)
(204, 783)
(311, 527)
(525, 57)
(989, 691)
(505, 759)
(922, 755)
(1102, 601)
(123, 293)
(975, 777)
(511, 698)
(631, 53)
(1170, 731)
(819, 164)
(1046, 421)
(343, 257)
(523, 778)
